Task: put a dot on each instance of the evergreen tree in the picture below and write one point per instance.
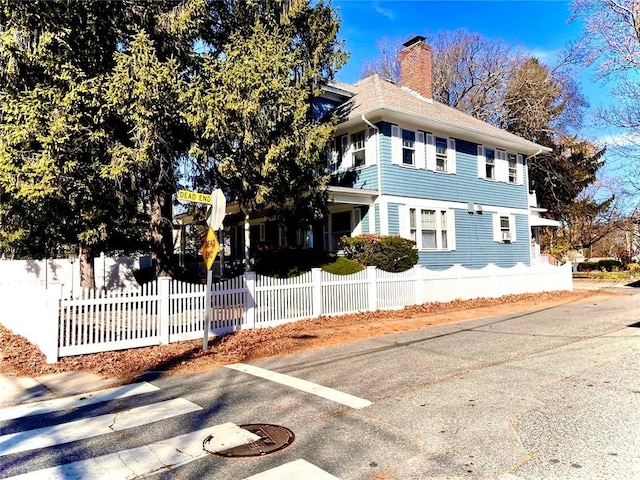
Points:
(253, 109)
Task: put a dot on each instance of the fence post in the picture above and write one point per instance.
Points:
(250, 300)
(316, 291)
(372, 290)
(419, 284)
(51, 338)
(164, 294)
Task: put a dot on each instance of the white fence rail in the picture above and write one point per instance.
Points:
(167, 310)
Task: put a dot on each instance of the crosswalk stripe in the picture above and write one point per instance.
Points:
(135, 462)
(296, 470)
(75, 401)
(92, 427)
(304, 385)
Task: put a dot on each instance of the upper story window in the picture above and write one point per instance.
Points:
(358, 149)
(490, 163)
(337, 149)
(408, 147)
(513, 167)
(441, 154)
(422, 150)
(500, 165)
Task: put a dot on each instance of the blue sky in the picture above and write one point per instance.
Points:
(542, 27)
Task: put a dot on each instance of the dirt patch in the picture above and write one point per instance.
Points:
(20, 357)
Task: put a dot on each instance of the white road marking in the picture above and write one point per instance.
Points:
(297, 470)
(92, 427)
(75, 401)
(140, 461)
(304, 385)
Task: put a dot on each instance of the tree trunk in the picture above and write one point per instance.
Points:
(87, 271)
(162, 233)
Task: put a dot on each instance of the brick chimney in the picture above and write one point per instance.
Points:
(415, 66)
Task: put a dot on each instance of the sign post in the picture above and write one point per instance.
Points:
(211, 246)
(209, 250)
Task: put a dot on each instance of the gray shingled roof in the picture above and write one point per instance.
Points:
(374, 93)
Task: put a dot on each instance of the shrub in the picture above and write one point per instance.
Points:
(634, 269)
(389, 253)
(610, 265)
(343, 266)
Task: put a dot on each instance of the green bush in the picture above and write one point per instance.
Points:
(389, 253)
(343, 266)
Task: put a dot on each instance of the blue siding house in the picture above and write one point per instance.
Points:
(405, 164)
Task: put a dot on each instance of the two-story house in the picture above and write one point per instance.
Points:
(405, 164)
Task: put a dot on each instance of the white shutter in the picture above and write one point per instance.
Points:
(502, 166)
(451, 229)
(403, 221)
(451, 155)
(497, 235)
(431, 152)
(396, 145)
(345, 161)
(370, 149)
(420, 150)
(519, 169)
(482, 173)
(512, 228)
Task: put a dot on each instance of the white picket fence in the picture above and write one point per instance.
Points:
(167, 310)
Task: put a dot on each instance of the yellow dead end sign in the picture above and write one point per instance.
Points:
(210, 248)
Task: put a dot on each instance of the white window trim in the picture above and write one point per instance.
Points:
(501, 165)
(404, 213)
(497, 230)
(352, 149)
(450, 161)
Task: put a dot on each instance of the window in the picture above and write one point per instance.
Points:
(443, 228)
(408, 147)
(412, 225)
(358, 149)
(431, 229)
(513, 168)
(337, 149)
(490, 163)
(504, 228)
(441, 154)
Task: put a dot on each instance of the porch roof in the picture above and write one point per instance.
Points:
(356, 196)
(536, 221)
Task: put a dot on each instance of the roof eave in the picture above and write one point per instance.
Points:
(376, 113)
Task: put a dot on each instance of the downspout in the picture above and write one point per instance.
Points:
(378, 161)
(531, 233)
(526, 160)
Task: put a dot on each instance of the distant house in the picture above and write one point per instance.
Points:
(405, 164)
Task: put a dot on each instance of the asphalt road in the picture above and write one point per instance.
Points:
(553, 394)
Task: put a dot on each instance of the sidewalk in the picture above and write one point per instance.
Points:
(592, 284)
(16, 390)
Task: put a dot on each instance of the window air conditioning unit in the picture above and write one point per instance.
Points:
(506, 236)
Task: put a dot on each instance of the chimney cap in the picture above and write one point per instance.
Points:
(416, 39)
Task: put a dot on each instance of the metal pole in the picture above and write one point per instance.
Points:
(207, 298)
(207, 311)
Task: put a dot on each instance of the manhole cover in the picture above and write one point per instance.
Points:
(272, 439)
